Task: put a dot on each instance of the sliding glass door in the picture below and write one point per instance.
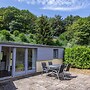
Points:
(20, 60)
(25, 61)
(29, 59)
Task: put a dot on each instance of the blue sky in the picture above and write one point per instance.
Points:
(51, 7)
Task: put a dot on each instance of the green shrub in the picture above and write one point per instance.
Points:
(6, 36)
(6, 33)
(2, 38)
(16, 32)
(23, 37)
(78, 56)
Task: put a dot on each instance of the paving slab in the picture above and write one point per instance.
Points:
(44, 82)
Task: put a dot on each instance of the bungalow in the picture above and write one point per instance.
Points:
(18, 59)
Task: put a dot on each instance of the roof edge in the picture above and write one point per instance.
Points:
(28, 44)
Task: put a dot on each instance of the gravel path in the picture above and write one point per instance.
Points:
(44, 82)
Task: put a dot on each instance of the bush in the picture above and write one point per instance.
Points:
(16, 32)
(78, 56)
(2, 38)
(23, 37)
(6, 34)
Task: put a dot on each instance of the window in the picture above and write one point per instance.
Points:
(29, 59)
(20, 59)
(55, 53)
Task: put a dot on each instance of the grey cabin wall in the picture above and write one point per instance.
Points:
(44, 53)
(61, 53)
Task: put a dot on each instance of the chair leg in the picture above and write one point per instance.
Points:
(61, 76)
(58, 76)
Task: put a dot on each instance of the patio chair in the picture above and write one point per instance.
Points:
(68, 67)
(66, 71)
(59, 72)
(49, 63)
(44, 67)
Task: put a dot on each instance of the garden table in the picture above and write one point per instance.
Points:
(54, 66)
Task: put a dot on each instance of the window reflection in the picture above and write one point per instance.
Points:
(20, 59)
(29, 59)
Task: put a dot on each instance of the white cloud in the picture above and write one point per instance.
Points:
(64, 5)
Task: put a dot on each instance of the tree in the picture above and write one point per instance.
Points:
(7, 35)
(43, 30)
(23, 37)
(11, 18)
(16, 32)
(79, 32)
(69, 20)
(27, 19)
(9, 14)
(13, 25)
(57, 25)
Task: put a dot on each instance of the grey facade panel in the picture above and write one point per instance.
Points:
(61, 53)
(44, 53)
(47, 53)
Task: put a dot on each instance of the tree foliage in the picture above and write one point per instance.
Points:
(57, 25)
(79, 32)
(24, 26)
(6, 35)
(69, 20)
(12, 19)
(43, 30)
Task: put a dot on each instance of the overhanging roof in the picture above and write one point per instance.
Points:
(26, 45)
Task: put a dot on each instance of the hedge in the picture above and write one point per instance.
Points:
(78, 56)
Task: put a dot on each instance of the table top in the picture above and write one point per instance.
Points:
(54, 66)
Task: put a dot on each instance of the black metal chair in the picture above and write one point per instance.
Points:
(68, 67)
(49, 63)
(66, 71)
(44, 67)
(59, 72)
